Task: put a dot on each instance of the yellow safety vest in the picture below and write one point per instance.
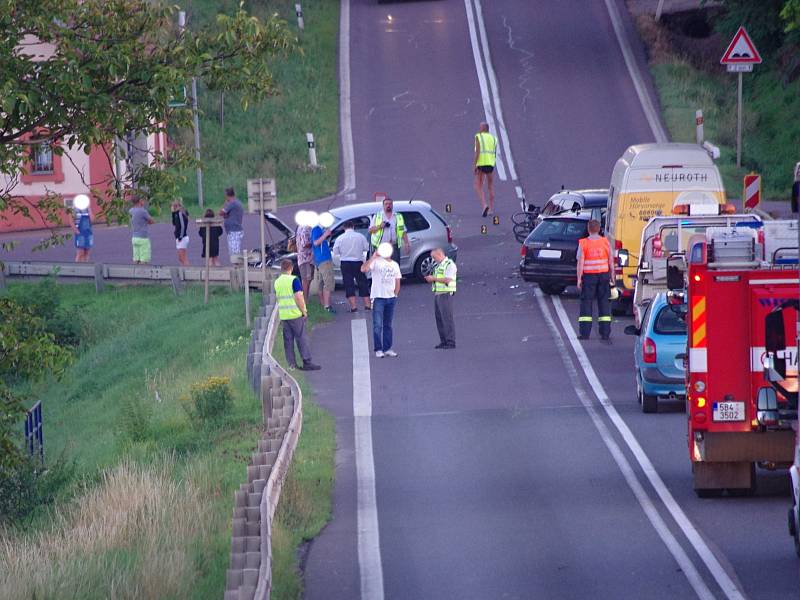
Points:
(284, 294)
(439, 272)
(400, 229)
(488, 154)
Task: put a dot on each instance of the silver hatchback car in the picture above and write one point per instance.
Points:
(426, 230)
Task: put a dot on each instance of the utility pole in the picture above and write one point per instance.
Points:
(195, 121)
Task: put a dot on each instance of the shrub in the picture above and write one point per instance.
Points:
(135, 416)
(209, 400)
(28, 485)
(44, 300)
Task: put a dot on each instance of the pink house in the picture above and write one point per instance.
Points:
(75, 172)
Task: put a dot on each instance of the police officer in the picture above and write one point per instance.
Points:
(444, 288)
(390, 227)
(485, 159)
(595, 272)
(293, 314)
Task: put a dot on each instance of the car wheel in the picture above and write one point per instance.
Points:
(424, 266)
(708, 492)
(552, 289)
(649, 403)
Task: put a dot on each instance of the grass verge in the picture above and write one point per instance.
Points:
(148, 512)
(269, 139)
(769, 118)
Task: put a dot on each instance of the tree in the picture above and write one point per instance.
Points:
(115, 67)
(27, 351)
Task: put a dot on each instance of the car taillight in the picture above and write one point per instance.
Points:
(648, 350)
(523, 251)
(449, 235)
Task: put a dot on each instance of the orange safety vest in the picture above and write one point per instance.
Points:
(595, 254)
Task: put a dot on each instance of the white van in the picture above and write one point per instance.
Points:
(646, 182)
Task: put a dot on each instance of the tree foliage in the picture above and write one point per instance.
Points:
(114, 68)
(27, 351)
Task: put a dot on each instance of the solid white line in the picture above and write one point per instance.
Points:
(672, 544)
(729, 588)
(502, 131)
(348, 155)
(369, 547)
(650, 112)
(487, 104)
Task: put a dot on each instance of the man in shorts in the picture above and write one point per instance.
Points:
(140, 237)
(483, 166)
(324, 265)
(232, 211)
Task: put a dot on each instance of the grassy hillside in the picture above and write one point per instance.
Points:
(269, 139)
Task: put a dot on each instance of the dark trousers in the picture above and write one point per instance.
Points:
(353, 278)
(382, 315)
(294, 330)
(595, 286)
(443, 307)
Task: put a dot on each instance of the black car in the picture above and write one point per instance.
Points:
(573, 201)
(549, 253)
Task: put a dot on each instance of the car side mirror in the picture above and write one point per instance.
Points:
(676, 267)
(632, 330)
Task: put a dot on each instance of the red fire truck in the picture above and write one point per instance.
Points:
(742, 354)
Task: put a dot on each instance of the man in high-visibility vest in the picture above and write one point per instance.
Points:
(390, 227)
(485, 159)
(595, 274)
(444, 288)
(293, 314)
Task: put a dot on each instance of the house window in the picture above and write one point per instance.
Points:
(42, 159)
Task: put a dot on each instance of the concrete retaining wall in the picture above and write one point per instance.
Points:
(249, 575)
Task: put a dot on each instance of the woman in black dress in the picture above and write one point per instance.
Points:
(214, 235)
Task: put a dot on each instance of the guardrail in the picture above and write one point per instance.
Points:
(101, 272)
(250, 574)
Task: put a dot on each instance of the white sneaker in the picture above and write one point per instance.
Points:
(379, 354)
(391, 353)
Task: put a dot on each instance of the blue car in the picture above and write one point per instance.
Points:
(659, 353)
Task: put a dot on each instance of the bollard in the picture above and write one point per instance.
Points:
(312, 152)
(699, 136)
(98, 277)
(175, 277)
(300, 23)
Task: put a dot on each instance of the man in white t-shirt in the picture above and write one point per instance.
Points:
(385, 288)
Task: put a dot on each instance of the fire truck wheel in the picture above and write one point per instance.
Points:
(793, 513)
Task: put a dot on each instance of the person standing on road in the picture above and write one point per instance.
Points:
(305, 255)
(352, 249)
(84, 238)
(485, 159)
(293, 314)
(233, 212)
(390, 227)
(323, 260)
(385, 288)
(595, 273)
(140, 238)
(444, 288)
(180, 222)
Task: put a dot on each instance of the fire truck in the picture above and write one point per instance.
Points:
(742, 296)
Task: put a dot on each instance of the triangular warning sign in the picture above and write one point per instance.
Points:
(741, 50)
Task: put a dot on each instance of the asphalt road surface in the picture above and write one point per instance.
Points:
(495, 471)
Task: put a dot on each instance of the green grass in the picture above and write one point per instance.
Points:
(770, 121)
(119, 407)
(269, 139)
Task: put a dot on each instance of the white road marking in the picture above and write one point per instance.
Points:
(650, 113)
(348, 154)
(729, 588)
(672, 544)
(369, 547)
(503, 132)
(487, 103)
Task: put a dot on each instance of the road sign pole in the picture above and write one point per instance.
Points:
(208, 261)
(196, 122)
(739, 124)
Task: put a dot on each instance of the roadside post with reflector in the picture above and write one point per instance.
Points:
(752, 191)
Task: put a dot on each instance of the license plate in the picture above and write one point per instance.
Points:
(728, 411)
(547, 253)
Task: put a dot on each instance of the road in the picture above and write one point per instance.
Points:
(518, 465)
